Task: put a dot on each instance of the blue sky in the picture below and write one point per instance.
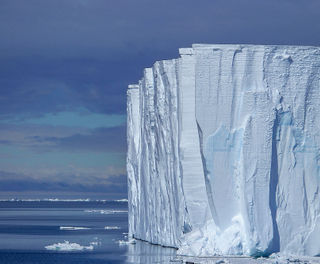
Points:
(65, 66)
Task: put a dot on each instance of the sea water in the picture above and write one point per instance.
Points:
(52, 231)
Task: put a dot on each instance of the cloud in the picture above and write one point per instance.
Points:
(57, 57)
(35, 86)
(101, 139)
(13, 182)
(78, 119)
(44, 138)
(72, 28)
(60, 55)
(31, 135)
(73, 155)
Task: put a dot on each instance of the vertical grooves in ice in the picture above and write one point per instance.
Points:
(224, 151)
(274, 178)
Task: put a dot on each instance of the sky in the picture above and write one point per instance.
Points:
(65, 66)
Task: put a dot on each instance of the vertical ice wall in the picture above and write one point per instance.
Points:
(157, 211)
(223, 151)
(189, 146)
(133, 143)
(235, 117)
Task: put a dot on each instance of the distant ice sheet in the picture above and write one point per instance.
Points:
(62, 200)
(74, 228)
(122, 200)
(49, 200)
(67, 246)
(106, 211)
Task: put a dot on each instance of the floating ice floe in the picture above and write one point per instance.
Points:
(106, 211)
(111, 227)
(67, 246)
(121, 200)
(126, 242)
(63, 200)
(66, 200)
(95, 243)
(47, 200)
(73, 228)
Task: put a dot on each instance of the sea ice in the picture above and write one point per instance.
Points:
(106, 211)
(73, 228)
(126, 242)
(67, 246)
(112, 227)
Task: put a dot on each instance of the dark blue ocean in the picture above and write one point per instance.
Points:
(71, 232)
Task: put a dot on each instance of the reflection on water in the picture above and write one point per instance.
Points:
(143, 252)
(38, 231)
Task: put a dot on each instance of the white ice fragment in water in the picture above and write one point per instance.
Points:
(73, 228)
(67, 246)
(95, 243)
(121, 200)
(106, 211)
(111, 227)
(126, 242)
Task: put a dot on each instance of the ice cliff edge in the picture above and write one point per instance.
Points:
(224, 151)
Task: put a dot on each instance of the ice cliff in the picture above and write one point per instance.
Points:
(224, 151)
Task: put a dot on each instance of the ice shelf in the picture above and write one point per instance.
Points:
(224, 151)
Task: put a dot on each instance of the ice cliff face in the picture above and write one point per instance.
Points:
(224, 151)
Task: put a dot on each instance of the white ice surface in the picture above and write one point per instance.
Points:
(96, 211)
(73, 228)
(126, 242)
(121, 200)
(224, 151)
(67, 246)
(112, 227)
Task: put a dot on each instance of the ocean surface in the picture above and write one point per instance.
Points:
(52, 231)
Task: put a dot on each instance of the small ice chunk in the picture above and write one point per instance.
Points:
(111, 227)
(106, 211)
(73, 228)
(67, 246)
(124, 242)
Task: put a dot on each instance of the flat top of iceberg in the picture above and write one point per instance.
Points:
(203, 45)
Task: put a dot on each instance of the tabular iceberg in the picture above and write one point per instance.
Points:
(224, 151)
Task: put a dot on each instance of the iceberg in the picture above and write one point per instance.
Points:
(224, 151)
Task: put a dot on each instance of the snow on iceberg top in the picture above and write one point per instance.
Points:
(209, 46)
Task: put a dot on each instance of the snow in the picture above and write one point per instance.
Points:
(224, 151)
